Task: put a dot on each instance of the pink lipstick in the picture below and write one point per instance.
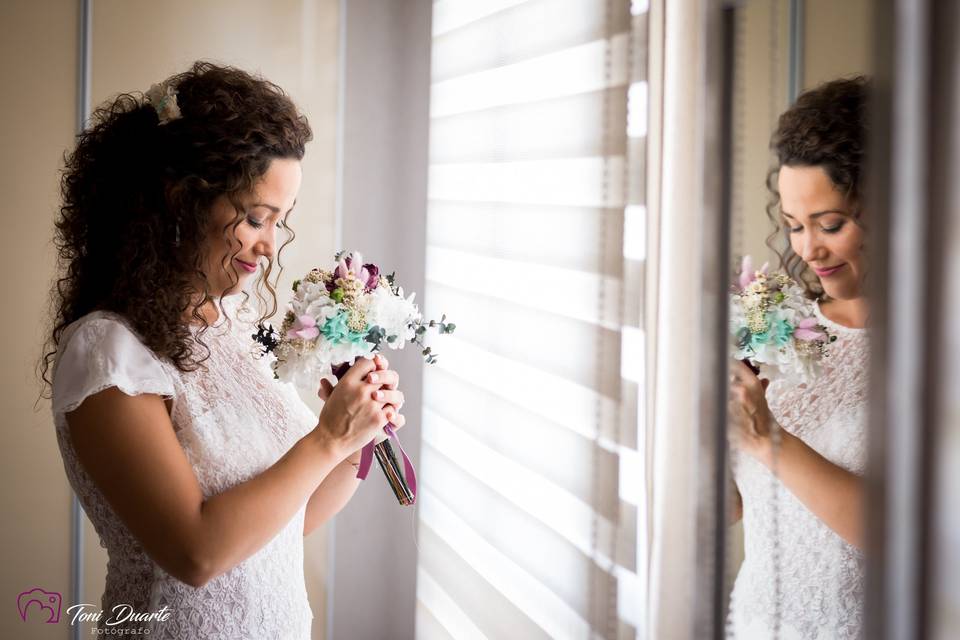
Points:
(823, 273)
(250, 268)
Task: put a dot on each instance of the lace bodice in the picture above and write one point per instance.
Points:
(233, 421)
(821, 575)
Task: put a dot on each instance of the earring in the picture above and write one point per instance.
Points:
(176, 239)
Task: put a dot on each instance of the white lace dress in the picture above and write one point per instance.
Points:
(233, 422)
(821, 582)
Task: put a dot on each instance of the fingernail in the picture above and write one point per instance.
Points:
(379, 395)
(373, 377)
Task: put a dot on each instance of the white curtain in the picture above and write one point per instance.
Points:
(677, 91)
(533, 470)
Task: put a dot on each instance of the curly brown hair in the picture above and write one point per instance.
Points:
(137, 204)
(826, 127)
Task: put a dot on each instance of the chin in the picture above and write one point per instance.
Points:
(234, 289)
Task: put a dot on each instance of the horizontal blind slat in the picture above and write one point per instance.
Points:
(568, 126)
(556, 290)
(527, 335)
(519, 232)
(495, 424)
(562, 73)
(589, 182)
(527, 542)
(573, 519)
(523, 31)
(438, 616)
(454, 14)
(577, 407)
(502, 599)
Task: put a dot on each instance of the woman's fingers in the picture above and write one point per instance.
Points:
(394, 416)
(384, 378)
(325, 390)
(742, 374)
(360, 369)
(388, 396)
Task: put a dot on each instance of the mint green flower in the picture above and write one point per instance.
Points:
(779, 332)
(335, 330)
(783, 332)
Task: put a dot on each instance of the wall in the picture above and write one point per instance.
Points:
(37, 118)
(383, 195)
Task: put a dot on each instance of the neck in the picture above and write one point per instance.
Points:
(852, 313)
(209, 311)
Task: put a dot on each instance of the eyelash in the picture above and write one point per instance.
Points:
(834, 229)
(256, 224)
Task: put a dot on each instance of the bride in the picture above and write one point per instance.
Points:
(803, 578)
(200, 473)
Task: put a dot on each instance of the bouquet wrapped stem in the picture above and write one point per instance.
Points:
(387, 460)
(403, 481)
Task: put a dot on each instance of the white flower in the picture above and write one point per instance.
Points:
(163, 98)
(394, 314)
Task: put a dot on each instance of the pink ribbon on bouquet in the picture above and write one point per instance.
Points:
(366, 460)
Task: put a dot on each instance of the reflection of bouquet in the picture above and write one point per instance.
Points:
(773, 323)
(337, 316)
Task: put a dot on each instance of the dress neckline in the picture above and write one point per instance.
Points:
(836, 326)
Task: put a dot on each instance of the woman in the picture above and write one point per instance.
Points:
(201, 473)
(803, 576)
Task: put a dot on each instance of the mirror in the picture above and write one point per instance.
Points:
(794, 568)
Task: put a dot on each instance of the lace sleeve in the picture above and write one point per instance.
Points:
(103, 352)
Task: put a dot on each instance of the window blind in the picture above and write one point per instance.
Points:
(532, 469)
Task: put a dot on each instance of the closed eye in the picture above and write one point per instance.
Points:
(258, 224)
(831, 229)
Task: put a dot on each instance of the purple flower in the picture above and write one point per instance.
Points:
(304, 327)
(368, 274)
(372, 279)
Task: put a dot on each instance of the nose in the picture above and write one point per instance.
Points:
(266, 242)
(813, 248)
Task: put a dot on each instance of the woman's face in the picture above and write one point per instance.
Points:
(233, 259)
(822, 230)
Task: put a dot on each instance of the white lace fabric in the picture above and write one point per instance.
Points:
(233, 421)
(821, 575)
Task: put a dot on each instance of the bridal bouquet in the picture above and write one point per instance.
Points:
(773, 323)
(336, 316)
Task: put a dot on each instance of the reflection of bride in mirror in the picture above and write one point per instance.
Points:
(802, 576)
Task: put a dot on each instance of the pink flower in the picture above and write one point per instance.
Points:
(304, 327)
(747, 274)
(805, 331)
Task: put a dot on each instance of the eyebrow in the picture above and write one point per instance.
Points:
(818, 213)
(271, 207)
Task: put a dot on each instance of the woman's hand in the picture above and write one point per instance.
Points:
(750, 419)
(388, 380)
(360, 405)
